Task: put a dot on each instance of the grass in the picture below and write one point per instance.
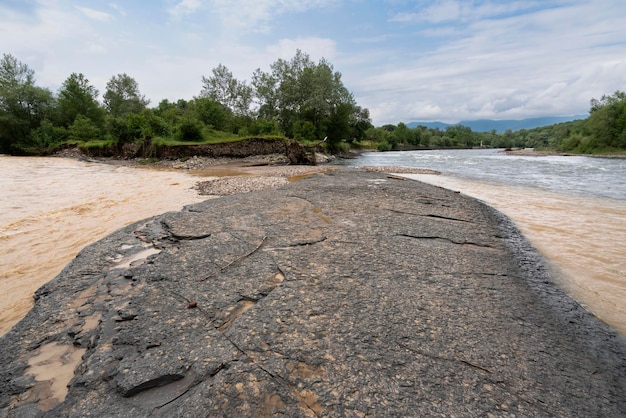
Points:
(96, 143)
(213, 137)
(608, 151)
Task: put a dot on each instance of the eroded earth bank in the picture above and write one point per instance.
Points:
(348, 293)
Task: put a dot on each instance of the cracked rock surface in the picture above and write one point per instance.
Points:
(349, 293)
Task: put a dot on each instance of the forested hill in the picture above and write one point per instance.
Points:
(488, 125)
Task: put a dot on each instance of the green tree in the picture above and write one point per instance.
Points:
(189, 129)
(212, 113)
(402, 134)
(300, 90)
(23, 105)
(607, 121)
(605, 101)
(154, 125)
(137, 126)
(339, 128)
(78, 97)
(169, 111)
(120, 130)
(47, 135)
(223, 88)
(460, 135)
(83, 129)
(266, 94)
(360, 122)
(122, 96)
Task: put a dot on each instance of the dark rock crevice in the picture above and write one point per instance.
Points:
(439, 217)
(427, 237)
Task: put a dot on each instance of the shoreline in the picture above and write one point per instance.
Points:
(230, 176)
(238, 175)
(532, 152)
(349, 291)
(211, 178)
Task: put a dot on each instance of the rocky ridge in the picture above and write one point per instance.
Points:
(349, 293)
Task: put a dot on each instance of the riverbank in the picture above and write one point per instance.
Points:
(51, 208)
(572, 208)
(532, 152)
(237, 175)
(345, 293)
(76, 200)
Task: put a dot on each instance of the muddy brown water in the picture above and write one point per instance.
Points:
(51, 208)
(583, 238)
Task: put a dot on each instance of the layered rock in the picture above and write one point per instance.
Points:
(349, 293)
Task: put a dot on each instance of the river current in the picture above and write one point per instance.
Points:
(571, 208)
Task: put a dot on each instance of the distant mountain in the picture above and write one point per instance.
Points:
(486, 125)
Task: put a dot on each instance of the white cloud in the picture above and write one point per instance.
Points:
(119, 9)
(257, 15)
(541, 62)
(492, 62)
(184, 7)
(317, 48)
(463, 11)
(95, 14)
(442, 11)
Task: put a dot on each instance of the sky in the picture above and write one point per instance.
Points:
(423, 60)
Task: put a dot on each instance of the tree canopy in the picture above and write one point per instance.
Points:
(296, 98)
(78, 97)
(309, 100)
(122, 96)
(23, 105)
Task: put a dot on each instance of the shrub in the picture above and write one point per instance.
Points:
(83, 129)
(384, 146)
(189, 130)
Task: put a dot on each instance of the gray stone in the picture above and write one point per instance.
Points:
(345, 294)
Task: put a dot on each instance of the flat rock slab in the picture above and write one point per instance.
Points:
(348, 293)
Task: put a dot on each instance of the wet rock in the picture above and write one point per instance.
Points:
(349, 293)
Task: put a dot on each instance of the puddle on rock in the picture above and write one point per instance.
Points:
(53, 368)
(142, 255)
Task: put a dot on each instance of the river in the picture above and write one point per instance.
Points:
(571, 208)
(52, 207)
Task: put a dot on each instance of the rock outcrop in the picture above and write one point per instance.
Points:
(349, 293)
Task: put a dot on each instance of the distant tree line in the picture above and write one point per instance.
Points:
(297, 99)
(394, 137)
(604, 131)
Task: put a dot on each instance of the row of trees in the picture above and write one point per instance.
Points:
(390, 137)
(297, 98)
(603, 131)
